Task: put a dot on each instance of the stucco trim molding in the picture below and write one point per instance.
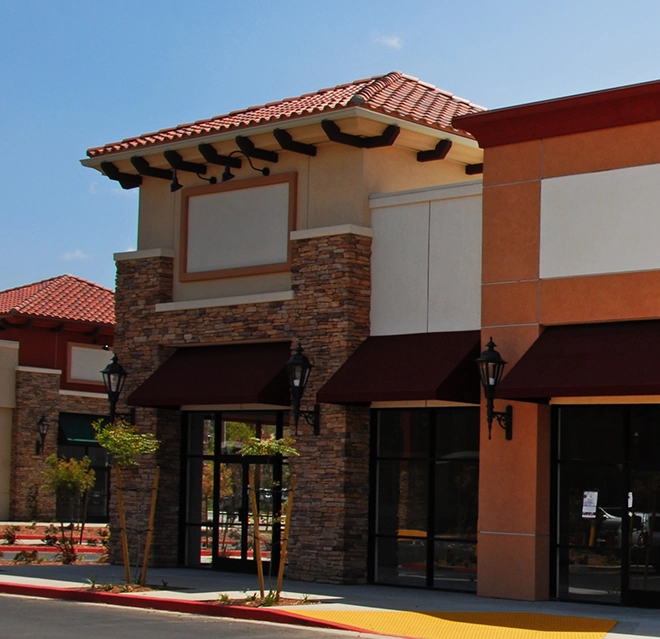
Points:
(237, 300)
(71, 393)
(34, 369)
(327, 231)
(143, 254)
(428, 194)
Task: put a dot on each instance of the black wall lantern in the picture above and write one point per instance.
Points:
(491, 365)
(298, 369)
(42, 428)
(114, 377)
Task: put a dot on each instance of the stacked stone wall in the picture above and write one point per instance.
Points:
(37, 394)
(329, 316)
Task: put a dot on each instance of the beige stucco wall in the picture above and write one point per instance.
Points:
(333, 189)
(8, 364)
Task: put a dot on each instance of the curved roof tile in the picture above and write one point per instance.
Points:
(65, 297)
(394, 94)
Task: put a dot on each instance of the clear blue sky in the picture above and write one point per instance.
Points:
(77, 74)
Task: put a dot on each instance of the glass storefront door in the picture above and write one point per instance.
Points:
(607, 502)
(425, 479)
(219, 509)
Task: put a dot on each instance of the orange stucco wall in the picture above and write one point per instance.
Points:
(514, 488)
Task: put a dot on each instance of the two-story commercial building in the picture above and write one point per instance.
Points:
(350, 222)
(346, 221)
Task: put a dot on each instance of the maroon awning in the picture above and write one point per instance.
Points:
(421, 366)
(229, 374)
(584, 360)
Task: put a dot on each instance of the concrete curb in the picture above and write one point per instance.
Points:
(170, 605)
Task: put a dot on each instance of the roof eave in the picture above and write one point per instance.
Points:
(340, 113)
(593, 111)
(15, 315)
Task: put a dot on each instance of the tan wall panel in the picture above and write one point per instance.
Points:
(512, 341)
(510, 303)
(5, 461)
(513, 567)
(159, 212)
(511, 232)
(8, 364)
(396, 169)
(508, 486)
(602, 150)
(600, 298)
(512, 163)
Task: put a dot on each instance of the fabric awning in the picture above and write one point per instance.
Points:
(421, 366)
(228, 374)
(621, 358)
(75, 428)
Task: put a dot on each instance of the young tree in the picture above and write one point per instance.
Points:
(69, 480)
(125, 444)
(270, 447)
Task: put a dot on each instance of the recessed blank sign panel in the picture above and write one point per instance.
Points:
(239, 228)
(606, 222)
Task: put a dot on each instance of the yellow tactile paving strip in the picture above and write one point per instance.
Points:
(473, 625)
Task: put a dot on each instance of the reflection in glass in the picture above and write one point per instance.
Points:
(591, 575)
(456, 499)
(402, 497)
(401, 561)
(427, 484)
(644, 533)
(403, 433)
(593, 433)
(455, 565)
(644, 437)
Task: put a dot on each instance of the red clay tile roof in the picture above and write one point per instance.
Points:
(62, 298)
(395, 94)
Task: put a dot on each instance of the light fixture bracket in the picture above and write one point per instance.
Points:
(491, 366)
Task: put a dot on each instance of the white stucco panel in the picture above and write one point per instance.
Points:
(426, 261)
(455, 265)
(244, 227)
(399, 269)
(605, 222)
(87, 362)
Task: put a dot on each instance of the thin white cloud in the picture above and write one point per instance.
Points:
(75, 255)
(93, 187)
(394, 42)
(117, 190)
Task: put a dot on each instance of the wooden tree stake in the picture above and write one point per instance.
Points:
(122, 524)
(255, 527)
(285, 536)
(152, 516)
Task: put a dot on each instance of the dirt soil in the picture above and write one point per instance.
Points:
(259, 602)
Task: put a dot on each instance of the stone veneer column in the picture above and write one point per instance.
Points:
(329, 315)
(141, 284)
(332, 286)
(37, 394)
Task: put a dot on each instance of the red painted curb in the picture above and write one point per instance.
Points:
(169, 605)
(80, 550)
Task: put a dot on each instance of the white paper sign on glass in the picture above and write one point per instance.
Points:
(589, 504)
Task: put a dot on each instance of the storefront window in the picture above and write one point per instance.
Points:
(426, 495)
(608, 503)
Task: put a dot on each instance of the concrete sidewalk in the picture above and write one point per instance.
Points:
(378, 610)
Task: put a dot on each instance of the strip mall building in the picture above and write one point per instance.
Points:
(373, 242)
